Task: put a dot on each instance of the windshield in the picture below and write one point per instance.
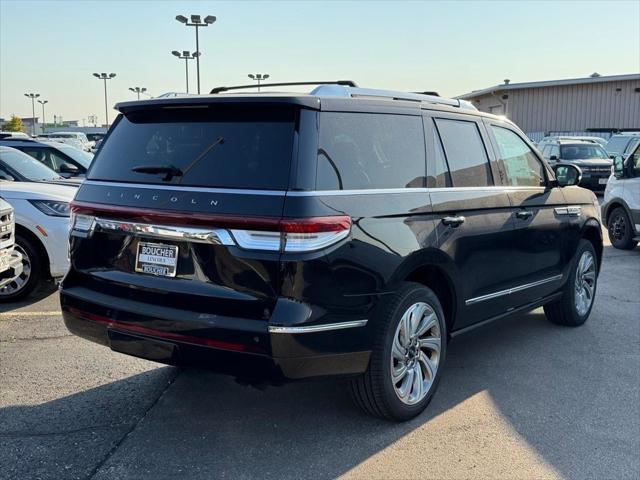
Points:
(83, 158)
(61, 135)
(27, 166)
(255, 151)
(617, 144)
(582, 152)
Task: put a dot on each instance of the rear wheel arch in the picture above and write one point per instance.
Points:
(433, 276)
(33, 238)
(593, 233)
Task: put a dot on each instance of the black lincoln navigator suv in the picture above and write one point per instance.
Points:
(347, 231)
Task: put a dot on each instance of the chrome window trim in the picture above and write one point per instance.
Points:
(311, 193)
(215, 236)
(317, 328)
(509, 291)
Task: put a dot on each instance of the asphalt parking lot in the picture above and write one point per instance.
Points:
(520, 398)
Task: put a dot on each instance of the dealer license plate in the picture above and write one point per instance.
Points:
(157, 259)
(602, 181)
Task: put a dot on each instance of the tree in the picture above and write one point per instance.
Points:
(13, 125)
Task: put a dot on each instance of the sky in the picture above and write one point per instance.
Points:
(53, 47)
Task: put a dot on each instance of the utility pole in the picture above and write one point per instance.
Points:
(44, 122)
(33, 97)
(258, 77)
(105, 77)
(197, 23)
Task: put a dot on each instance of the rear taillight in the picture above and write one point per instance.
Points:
(289, 235)
(295, 235)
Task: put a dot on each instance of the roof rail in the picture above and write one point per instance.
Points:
(343, 91)
(347, 83)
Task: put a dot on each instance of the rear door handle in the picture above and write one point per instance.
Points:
(524, 214)
(453, 221)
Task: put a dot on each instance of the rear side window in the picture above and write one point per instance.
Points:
(520, 164)
(214, 146)
(364, 151)
(465, 152)
(437, 171)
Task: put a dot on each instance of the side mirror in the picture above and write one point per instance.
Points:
(567, 174)
(618, 166)
(553, 158)
(68, 168)
(6, 177)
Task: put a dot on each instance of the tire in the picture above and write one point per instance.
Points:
(621, 230)
(31, 277)
(375, 391)
(569, 310)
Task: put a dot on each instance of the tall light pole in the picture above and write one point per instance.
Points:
(33, 97)
(105, 77)
(258, 77)
(186, 56)
(138, 90)
(197, 22)
(42, 102)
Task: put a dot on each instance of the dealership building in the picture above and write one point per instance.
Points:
(597, 104)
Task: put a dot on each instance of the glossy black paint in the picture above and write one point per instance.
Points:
(230, 297)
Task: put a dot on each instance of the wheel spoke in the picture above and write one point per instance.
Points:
(416, 387)
(397, 350)
(428, 365)
(399, 373)
(430, 343)
(427, 323)
(405, 388)
(405, 329)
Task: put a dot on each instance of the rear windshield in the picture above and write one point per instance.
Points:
(213, 146)
(582, 152)
(617, 144)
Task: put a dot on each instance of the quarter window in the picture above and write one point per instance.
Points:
(520, 164)
(465, 153)
(365, 151)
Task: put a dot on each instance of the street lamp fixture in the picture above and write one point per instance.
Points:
(186, 56)
(197, 22)
(33, 97)
(42, 102)
(105, 77)
(138, 90)
(259, 77)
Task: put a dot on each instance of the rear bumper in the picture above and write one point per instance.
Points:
(283, 348)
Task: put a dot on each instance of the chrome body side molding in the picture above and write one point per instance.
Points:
(509, 291)
(317, 328)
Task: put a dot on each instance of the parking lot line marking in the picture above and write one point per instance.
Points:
(50, 313)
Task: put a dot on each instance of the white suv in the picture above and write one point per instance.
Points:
(621, 207)
(41, 234)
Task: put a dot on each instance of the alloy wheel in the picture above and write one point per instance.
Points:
(618, 227)
(415, 353)
(21, 280)
(585, 284)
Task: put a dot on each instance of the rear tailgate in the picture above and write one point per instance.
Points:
(171, 205)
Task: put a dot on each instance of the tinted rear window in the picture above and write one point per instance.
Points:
(255, 152)
(465, 152)
(364, 151)
(617, 144)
